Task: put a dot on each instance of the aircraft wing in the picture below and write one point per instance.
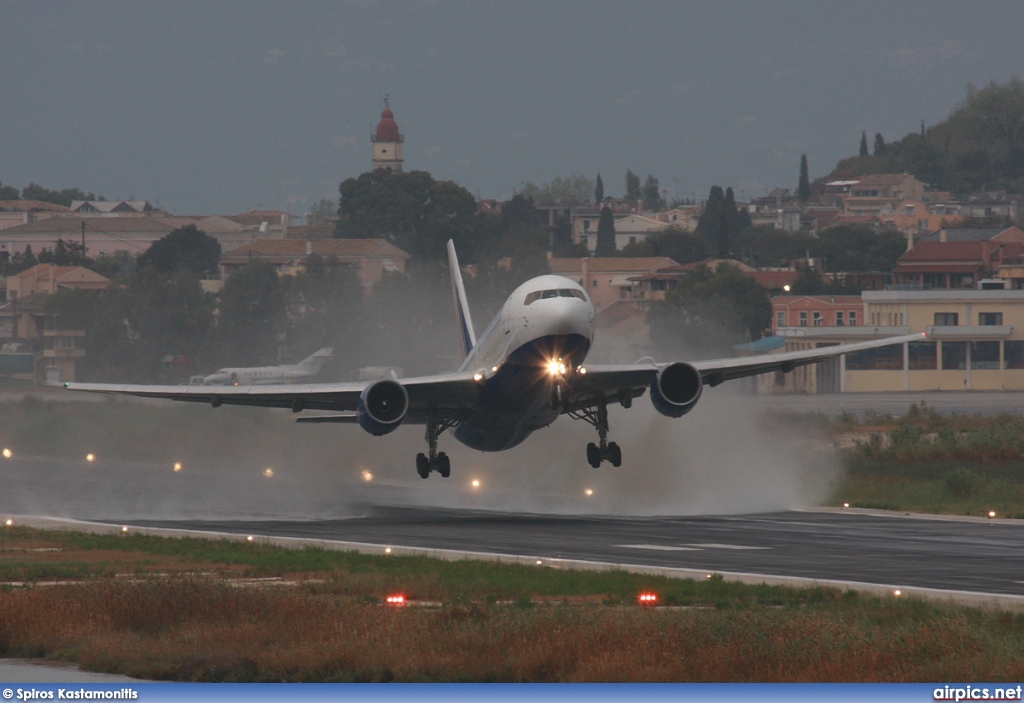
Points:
(620, 381)
(446, 393)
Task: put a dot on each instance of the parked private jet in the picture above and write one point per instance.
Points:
(523, 372)
(266, 375)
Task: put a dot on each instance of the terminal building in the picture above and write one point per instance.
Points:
(975, 341)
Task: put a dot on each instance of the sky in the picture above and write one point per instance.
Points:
(215, 107)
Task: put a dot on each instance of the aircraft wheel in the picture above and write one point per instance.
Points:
(444, 465)
(593, 455)
(422, 465)
(616, 454)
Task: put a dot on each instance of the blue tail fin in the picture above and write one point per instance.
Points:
(467, 336)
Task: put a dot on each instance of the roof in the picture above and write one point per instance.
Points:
(965, 234)
(610, 264)
(939, 268)
(843, 300)
(73, 225)
(109, 205)
(926, 251)
(297, 248)
(387, 128)
(61, 274)
(774, 280)
(884, 179)
(30, 205)
(310, 232)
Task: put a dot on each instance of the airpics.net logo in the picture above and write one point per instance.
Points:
(978, 693)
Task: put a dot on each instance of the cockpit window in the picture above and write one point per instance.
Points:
(558, 293)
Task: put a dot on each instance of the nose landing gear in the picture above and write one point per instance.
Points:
(604, 450)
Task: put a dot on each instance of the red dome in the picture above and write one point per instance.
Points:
(387, 128)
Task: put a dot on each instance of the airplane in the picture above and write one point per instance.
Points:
(264, 375)
(524, 371)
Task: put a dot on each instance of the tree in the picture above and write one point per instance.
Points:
(34, 191)
(8, 192)
(323, 213)
(804, 186)
(605, 233)
(652, 194)
(188, 249)
(411, 210)
(863, 144)
(65, 253)
(250, 319)
(678, 244)
(709, 311)
(879, 144)
(599, 190)
(632, 187)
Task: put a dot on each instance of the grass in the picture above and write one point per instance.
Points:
(174, 610)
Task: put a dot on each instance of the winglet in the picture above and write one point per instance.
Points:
(467, 337)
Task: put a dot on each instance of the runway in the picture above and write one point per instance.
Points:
(888, 550)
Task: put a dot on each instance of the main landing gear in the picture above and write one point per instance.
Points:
(604, 450)
(434, 461)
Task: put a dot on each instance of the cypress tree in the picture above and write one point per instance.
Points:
(805, 182)
(605, 233)
(599, 190)
(863, 143)
(879, 144)
(632, 186)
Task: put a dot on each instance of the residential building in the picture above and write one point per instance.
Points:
(47, 279)
(370, 258)
(20, 212)
(816, 311)
(110, 208)
(607, 279)
(104, 236)
(975, 341)
(958, 257)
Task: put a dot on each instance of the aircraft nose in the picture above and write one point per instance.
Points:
(566, 316)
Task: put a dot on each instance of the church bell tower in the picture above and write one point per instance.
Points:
(387, 142)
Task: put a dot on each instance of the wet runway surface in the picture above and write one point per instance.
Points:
(982, 557)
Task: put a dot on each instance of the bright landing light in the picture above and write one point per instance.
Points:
(367, 475)
(589, 492)
(268, 472)
(475, 483)
(556, 367)
(177, 466)
(90, 457)
(7, 453)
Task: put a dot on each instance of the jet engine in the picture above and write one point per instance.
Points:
(382, 407)
(676, 389)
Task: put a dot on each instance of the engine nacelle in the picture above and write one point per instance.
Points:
(382, 407)
(676, 389)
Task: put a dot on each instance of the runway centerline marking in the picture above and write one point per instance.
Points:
(713, 545)
(659, 547)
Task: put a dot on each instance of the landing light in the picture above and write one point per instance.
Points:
(268, 472)
(582, 370)
(556, 367)
(475, 483)
(478, 377)
(177, 466)
(367, 475)
(90, 457)
(589, 492)
(494, 369)
(7, 453)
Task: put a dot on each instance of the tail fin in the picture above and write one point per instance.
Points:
(313, 362)
(467, 336)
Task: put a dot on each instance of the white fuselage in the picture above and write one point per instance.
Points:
(549, 320)
(257, 375)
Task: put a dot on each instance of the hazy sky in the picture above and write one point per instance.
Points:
(218, 107)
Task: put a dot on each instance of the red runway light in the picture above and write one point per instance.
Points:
(648, 599)
(396, 600)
